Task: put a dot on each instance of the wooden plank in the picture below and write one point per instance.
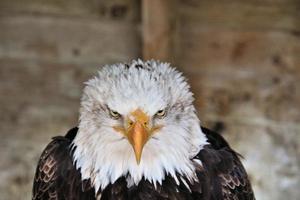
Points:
(121, 10)
(215, 47)
(67, 40)
(157, 29)
(240, 15)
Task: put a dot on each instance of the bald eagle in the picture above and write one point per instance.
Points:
(139, 137)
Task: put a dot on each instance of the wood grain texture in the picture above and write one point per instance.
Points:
(157, 29)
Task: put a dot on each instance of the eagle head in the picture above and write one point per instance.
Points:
(137, 121)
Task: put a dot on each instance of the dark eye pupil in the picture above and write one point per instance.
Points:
(160, 112)
(114, 114)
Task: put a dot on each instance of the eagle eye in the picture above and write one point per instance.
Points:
(114, 114)
(161, 113)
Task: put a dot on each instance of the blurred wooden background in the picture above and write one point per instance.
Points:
(241, 58)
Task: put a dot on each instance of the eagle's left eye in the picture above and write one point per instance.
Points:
(114, 114)
(161, 113)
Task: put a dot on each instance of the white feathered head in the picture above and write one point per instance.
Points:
(137, 120)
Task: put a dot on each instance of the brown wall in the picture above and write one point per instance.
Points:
(240, 58)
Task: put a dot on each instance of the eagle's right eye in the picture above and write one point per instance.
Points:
(114, 114)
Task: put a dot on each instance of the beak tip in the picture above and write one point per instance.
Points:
(138, 159)
(137, 137)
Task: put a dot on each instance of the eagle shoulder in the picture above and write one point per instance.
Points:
(224, 171)
(56, 177)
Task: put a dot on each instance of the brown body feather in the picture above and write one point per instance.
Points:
(221, 177)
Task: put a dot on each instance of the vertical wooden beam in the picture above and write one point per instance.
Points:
(157, 29)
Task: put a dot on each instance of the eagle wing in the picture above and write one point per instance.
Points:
(229, 179)
(235, 183)
(46, 178)
(56, 177)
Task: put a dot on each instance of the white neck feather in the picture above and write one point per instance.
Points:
(170, 154)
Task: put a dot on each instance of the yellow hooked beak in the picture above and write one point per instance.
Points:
(138, 136)
(137, 132)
